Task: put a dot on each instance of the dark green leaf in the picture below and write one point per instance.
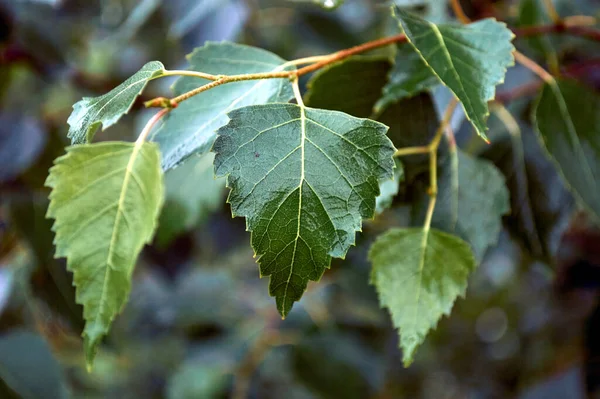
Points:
(352, 86)
(304, 179)
(419, 274)
(389, 189)
(106, 110)
(470, 59)
(191, 127)
(567, 117)
(105, 200)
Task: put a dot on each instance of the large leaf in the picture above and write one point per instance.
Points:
(304, 179)
(567, 117)
(409, 76)
(191, 127)
(352, 86)
(470, 59)
(192, 193)
(28, 367)
(418, 274)
(105, 200)
(106, 110)
(472, 198)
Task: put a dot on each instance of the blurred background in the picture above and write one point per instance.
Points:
(200, 322)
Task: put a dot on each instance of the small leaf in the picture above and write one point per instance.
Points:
(567, 117)
(409, 76)
(191, 127)
(192, 193)
(470, 59)
(389, 189)
(106, 110)
(418, 275)
(304, 179)
(352, 86)
(105, 200)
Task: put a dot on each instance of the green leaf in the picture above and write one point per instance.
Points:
(105, 200)
(470, 59)
(389, 189)
(304, 179)
(191, 127)
(28, 367)
(567, 117)
(409, 76)
(352, 86)
(532, 12)
(192, 193)
(106, 110)
(418, 275)
(472, 197)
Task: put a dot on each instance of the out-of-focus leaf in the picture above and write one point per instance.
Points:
(326, 4)
(191, 127)
(192, 193)
(51, 281)
(193, 381)
(334, 366)
(469, 59)
(352, 86)
(292, 171)
(105, 200)
(21, 142)
(532, 12)
(28, 367)
(409, 76)
(389, 189)
(432, 10)
(419, 274)
(472, 198)
(567, 117)
(91, 113)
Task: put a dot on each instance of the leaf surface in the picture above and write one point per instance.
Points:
(191, 127)
(106, 110)
(389, 189)
(567, 117)
(469, 59)
(418, 275)
(304, 179)
(105, 200)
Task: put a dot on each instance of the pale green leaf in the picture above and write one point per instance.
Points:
(352, 86)
(409, 76)
(418, 275)
(92, 112)
(567, 117)
(470, 59)
(192, 193)
(191, 127)
(304, 179)
(105, 200)
(389, 189)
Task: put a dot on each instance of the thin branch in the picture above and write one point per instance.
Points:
(412, 151)
(533, 67)
(459, 12)
(148, 128)
(297, 93)
(189, 73)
